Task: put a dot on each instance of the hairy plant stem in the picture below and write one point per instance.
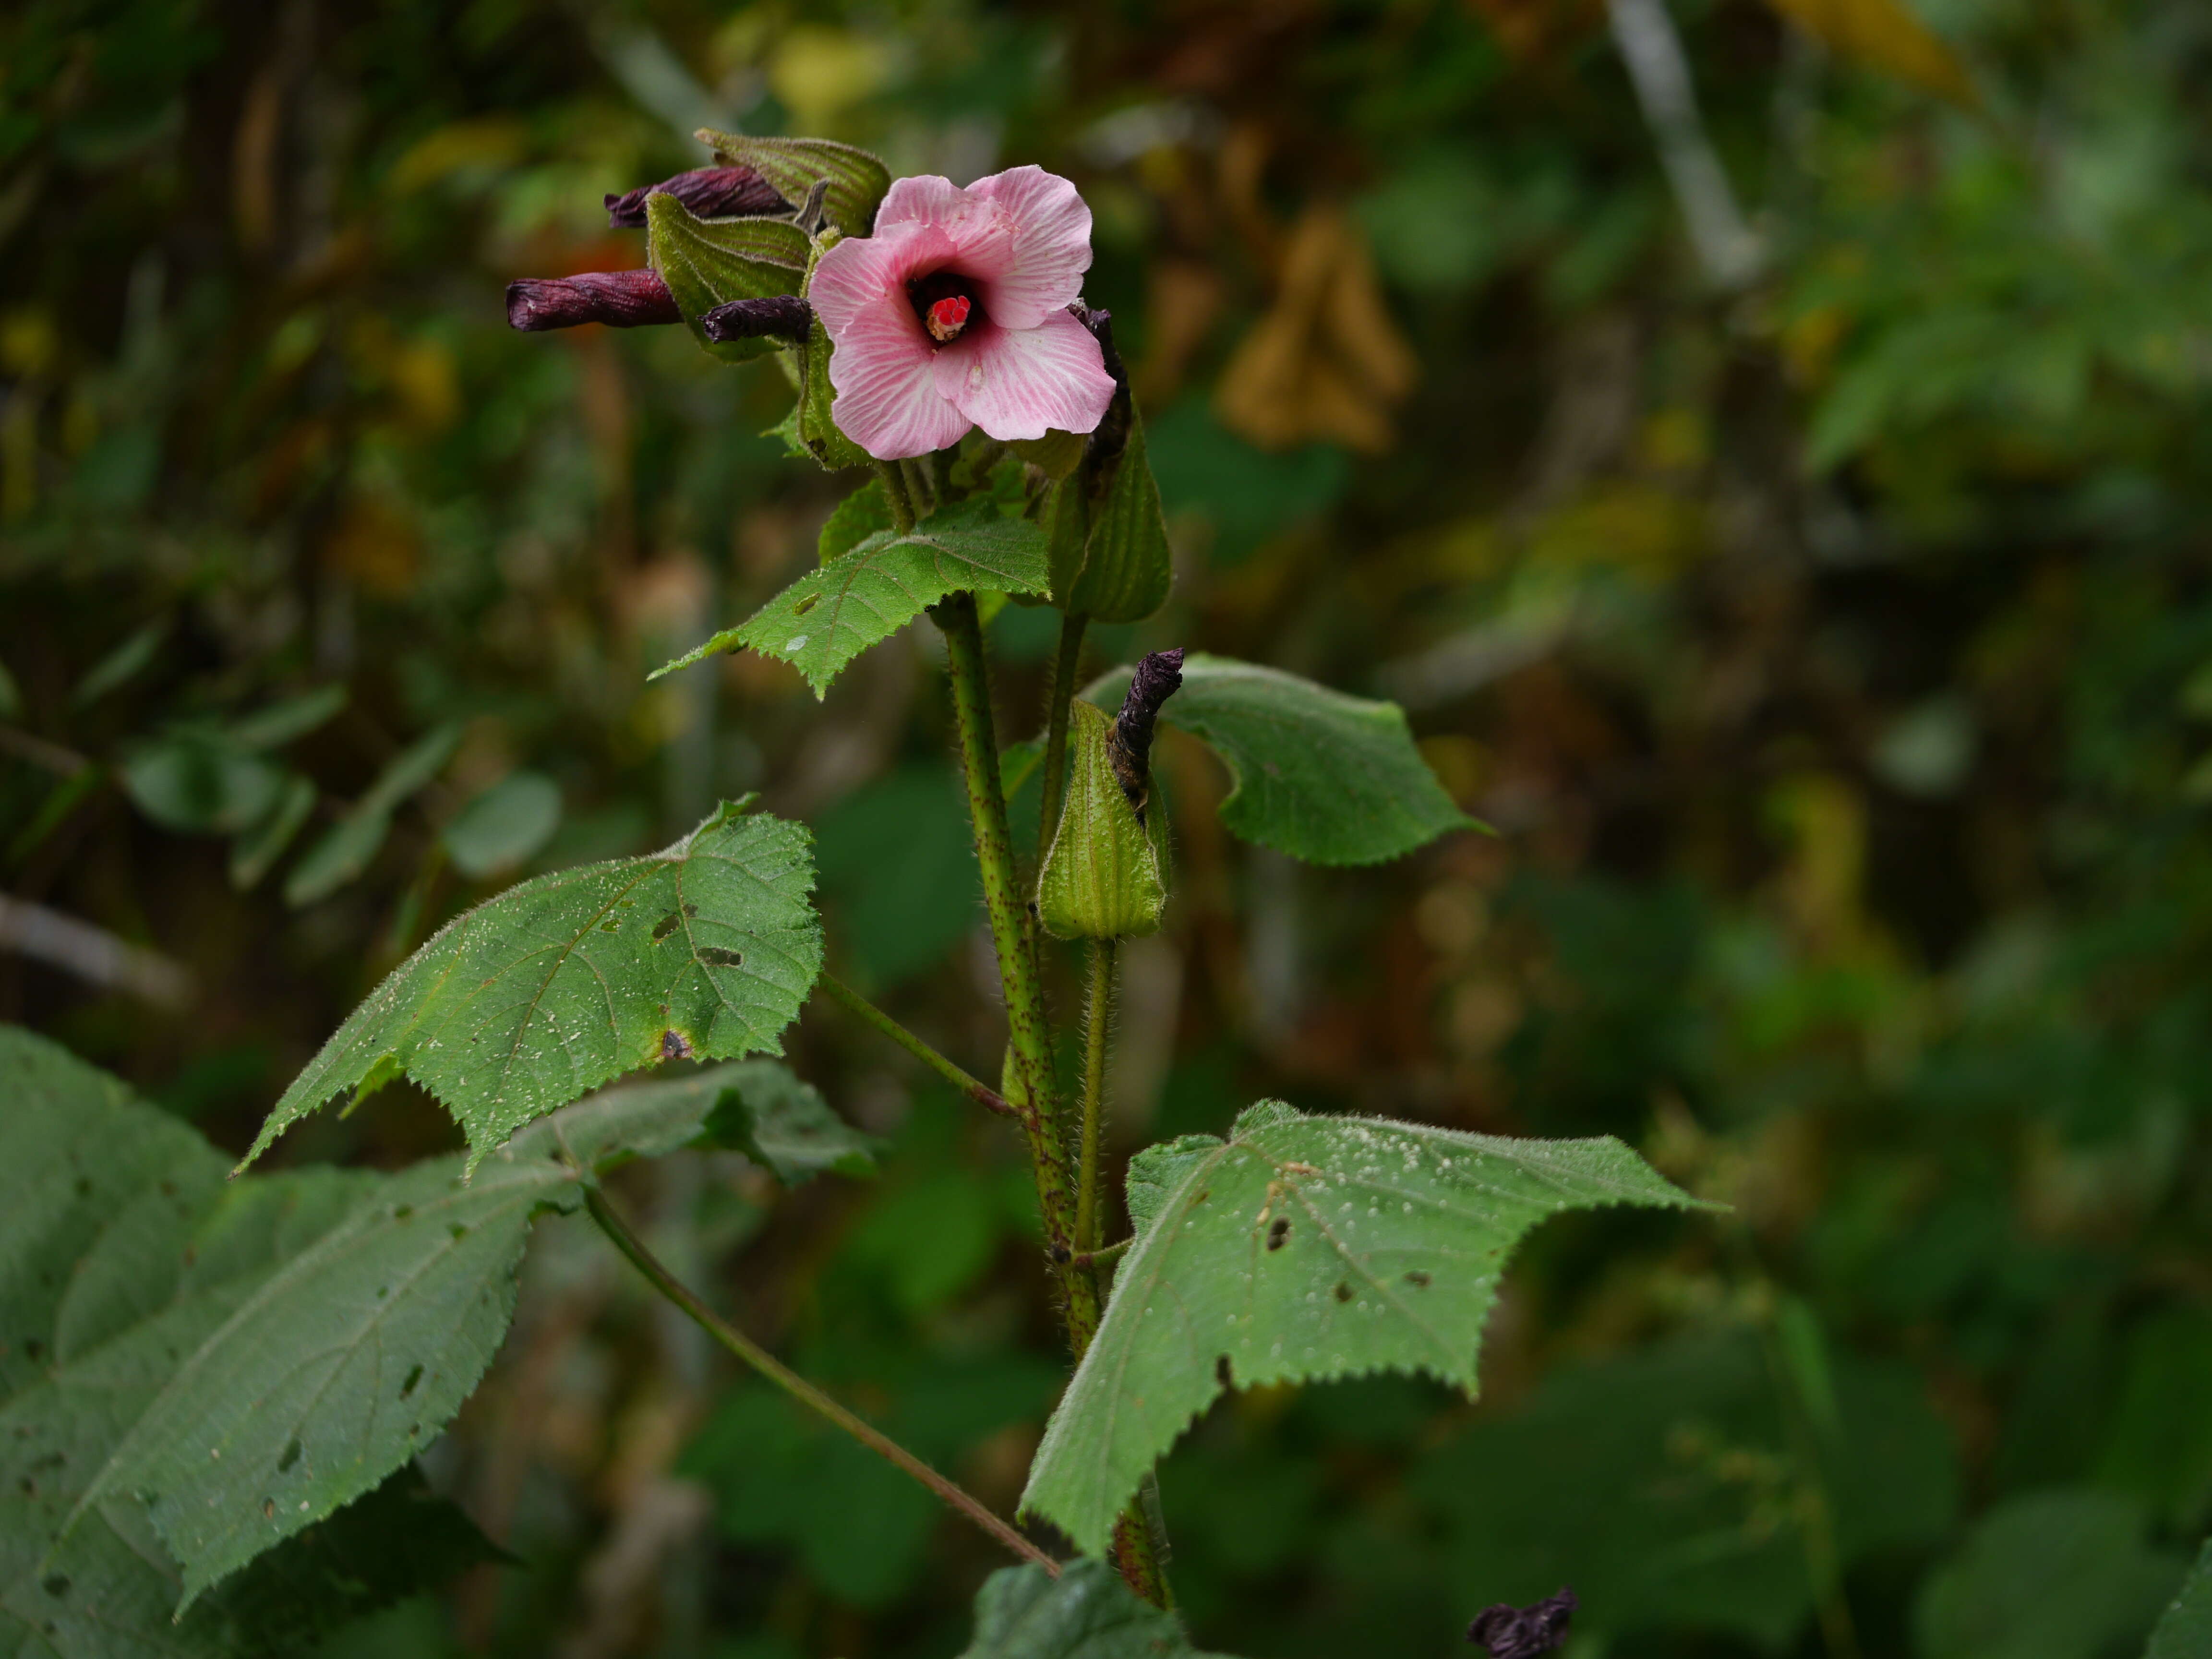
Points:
(1053, 785)
(853, 1003)
(1136, 1554)
(1098, 1020)
(1029, 1030)
(895, 492)
(612, 1225)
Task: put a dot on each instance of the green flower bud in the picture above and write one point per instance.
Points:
(1109, 552)
(1105, 875)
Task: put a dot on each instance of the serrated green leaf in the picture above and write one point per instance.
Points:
(857, 179)
(347, 1359)
(2185, 1632)
(1110, 559)
(709, 263)
(390, 1543)
(705, 949)
(155, 1310)
(1317, 774)
(254, 852)
(201, 783)
(829, 616)
(504, 825)
(858, 517)
(766, 1111)
(1302, 1248)
(1087, 1612)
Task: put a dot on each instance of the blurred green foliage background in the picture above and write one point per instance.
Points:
(1783, 514)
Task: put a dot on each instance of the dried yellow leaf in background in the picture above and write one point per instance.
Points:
(1887, 35)
(1326, 363)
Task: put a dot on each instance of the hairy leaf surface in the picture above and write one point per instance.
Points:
(1298, 1250)
(1317, 774)
(1087, 1612)
(122, 1250)
(857, 180)
(705, 949)
(829, 616)
(204, 1368)
(709, 263)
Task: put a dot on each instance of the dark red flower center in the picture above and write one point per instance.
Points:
(946, 304)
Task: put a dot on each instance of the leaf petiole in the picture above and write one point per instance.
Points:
(1055, 730)
(853, 1003)
(611, 1223)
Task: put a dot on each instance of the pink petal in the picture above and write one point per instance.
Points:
(860, 270)
(982, 234)
(1048, 248)
(883, 370)
(1022, 383)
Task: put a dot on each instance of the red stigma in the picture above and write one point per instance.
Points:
(947, 317)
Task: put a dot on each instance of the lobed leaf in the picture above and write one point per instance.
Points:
(704, 951)
(1087, 1612)
(858, 180)
(1317, 774)
(1298, 1250)
(829, 616)
(709, 263)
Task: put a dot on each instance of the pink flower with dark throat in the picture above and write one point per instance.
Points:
(954, 313)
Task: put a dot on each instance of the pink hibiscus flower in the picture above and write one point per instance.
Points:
(954, 313)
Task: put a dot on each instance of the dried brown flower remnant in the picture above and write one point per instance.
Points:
(1511, 1632)
(1129, 747)
(708, 192)
(782, 316)
(620, 299)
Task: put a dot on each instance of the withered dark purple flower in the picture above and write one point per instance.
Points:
(1511, 1632)
(1112, 435)
(1129, 745)
(708, 192)
(620, 299)
(782, 317)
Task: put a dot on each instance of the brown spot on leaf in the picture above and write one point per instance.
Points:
(667, 924)
(674, 1045)
(1222, 1374)
(1417, 1279)
(715, 955)
(1278, 1231)
(1343, 1291)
